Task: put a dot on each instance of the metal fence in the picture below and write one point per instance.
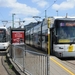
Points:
(31, 63)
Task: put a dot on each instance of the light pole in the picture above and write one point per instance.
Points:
(45, 13)
(57, 12)
(13, 20)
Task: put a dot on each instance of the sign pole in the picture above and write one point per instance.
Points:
(48, 58)
(48, 36)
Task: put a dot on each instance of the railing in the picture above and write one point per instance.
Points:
(30, 62)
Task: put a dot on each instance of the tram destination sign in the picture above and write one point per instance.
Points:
(67, 24)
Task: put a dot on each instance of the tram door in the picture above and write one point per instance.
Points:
(51, 41)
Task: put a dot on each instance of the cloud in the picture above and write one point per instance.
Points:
(25, 10)
(41, 3)
(7, 3)
(68, 4)
(19, 8)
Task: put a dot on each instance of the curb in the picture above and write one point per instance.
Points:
(10, 66)
(16, 68)
(6, 65)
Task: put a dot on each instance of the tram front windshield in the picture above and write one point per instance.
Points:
(2, 35)
(65, 31)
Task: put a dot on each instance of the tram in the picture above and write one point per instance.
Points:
(62, 36)
(4, 38)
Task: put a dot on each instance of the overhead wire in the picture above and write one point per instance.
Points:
(51, 4)
(48, 7)
(1, 15)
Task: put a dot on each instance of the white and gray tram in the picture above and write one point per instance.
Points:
(4, 38)
(62, 36)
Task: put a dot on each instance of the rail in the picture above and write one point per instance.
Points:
(30, 62)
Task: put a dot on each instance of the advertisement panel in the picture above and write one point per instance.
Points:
(18, 37)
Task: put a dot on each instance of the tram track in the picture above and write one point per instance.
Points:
(34, 49)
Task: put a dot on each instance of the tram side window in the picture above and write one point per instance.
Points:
(7, 37)
(2, 35)
(26, 37)
(2, 38)
(46, 38)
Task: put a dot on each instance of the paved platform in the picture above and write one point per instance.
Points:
(57, 67)
(2, 69)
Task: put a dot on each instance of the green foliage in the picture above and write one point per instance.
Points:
(10, 66)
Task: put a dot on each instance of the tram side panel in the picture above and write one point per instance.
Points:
(38, 37)
(41, 36)
(31, 36)
(27, 37)
(44, 37)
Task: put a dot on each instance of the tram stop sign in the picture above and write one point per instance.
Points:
(17, 36)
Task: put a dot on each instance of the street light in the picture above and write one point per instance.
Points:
(13, 19)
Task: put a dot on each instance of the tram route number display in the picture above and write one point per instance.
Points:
(18, 37)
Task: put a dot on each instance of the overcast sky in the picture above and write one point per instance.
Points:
(26, 9)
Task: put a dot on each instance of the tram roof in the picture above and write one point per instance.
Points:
(3, 28)
(66, 19)
(63, 18)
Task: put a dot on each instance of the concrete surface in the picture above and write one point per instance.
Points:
(2, 69)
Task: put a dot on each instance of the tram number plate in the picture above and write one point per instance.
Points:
(70, 48)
